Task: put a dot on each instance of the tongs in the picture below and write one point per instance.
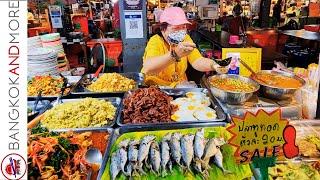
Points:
(64, 86)
(34, 109)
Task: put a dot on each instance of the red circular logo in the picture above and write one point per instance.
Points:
(13, 166)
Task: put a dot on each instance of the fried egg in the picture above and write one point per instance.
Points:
(205, 114)
(193, 107)
(183, 115)
(196, 95)
(201, 102)
(180, 101)
(188, 106)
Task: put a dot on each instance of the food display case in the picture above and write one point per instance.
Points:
(148, 122)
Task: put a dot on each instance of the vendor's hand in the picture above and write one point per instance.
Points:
(184, 49)
(220, 69)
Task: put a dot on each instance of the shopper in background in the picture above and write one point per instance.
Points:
(237, 9)
(165, 63)
(236, 25)
(277, 13)
(223, 21)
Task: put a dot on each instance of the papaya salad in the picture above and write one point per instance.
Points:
(53, 156)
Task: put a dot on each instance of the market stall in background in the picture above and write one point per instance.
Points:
(92, 116)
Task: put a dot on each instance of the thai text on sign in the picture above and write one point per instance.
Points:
(257, 135)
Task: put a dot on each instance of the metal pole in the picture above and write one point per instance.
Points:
(133, 47)
(318, 104)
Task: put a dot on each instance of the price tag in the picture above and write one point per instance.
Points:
(262, 137)
(258, 135)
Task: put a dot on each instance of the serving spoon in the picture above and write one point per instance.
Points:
(96, 74)
(254, 74)
(223, 62)
(94, 157)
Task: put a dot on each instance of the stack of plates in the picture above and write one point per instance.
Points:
(50, 37)
(42, 61)
(53, 41)
(34, 42)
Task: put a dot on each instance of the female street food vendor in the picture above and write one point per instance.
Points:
(167, 55)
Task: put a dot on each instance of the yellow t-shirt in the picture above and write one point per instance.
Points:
(157, 47)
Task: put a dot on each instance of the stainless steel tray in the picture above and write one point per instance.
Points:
(114, 100)
(303, 128)
(306, 128)
(73, 82)
(110, 131)
(42, 106)
(81, 89)
(122, 130)
(175, 93)
(257, 173)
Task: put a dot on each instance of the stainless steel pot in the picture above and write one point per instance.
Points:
(232, 97)
(277, 93)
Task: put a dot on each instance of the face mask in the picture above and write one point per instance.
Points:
(177, 36)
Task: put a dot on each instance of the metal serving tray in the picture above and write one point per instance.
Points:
(80, 89)
(257, 173)
(109, 131)
(175, 93)
(122, 130)
(114, 100)
(73, 81)
(303, 129)
(42, 106)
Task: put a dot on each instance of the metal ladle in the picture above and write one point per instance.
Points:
(94, 157)
(223, 62)
(254, 74)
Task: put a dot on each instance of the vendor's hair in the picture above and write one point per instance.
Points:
(162, 27)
